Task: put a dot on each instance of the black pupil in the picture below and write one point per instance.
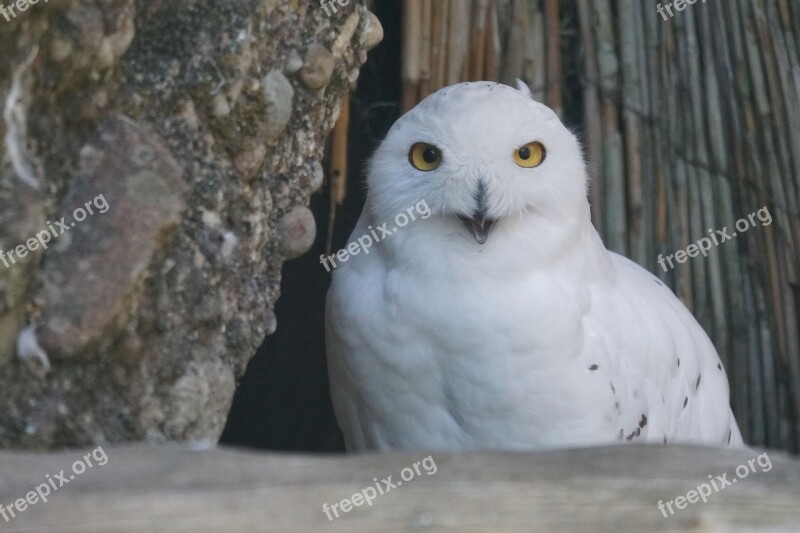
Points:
(524, 153)
(430, 155)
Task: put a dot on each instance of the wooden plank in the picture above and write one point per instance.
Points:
(459, 41)
(631, 45)
(494, 48)
(478, 46)
(338, 151)
(439, 23)
(536, 70)
(592, 116)
(426, 59)
(598, 489)
(554, 74)
(412, 42)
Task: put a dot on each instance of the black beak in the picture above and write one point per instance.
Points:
(479, 225)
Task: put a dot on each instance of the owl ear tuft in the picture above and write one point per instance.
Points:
(524, 89)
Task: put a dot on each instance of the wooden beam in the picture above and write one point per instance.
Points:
(599, 489)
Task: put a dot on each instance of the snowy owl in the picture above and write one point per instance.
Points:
(501, 321)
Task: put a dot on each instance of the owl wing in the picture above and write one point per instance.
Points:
(667, 378)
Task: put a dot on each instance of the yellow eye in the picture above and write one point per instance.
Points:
(425, 157)
(531, 155)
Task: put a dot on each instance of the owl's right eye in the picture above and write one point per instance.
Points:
(425, 157)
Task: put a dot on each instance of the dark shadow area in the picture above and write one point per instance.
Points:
(283, 402)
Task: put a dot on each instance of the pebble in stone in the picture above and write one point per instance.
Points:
(272, 323)
(248, 161)
(317, 176)
(373, 33)
(318, 68)
(293, 62)
(298, 231)
(278, 93)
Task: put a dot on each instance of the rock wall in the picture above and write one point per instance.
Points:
(180, 141)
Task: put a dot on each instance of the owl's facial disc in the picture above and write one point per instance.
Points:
(488, 159)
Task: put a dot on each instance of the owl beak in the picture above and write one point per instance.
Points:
(479, 225)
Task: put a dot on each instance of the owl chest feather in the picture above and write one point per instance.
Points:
(493, 366)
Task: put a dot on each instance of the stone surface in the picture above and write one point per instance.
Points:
(136, 323)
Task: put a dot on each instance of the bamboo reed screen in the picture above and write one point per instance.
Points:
(689, 124)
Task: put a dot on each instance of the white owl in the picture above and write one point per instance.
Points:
(501, 321)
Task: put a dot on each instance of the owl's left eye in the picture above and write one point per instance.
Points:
(425, 157)
(531, 155)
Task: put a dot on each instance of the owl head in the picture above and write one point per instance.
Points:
(485, 157)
